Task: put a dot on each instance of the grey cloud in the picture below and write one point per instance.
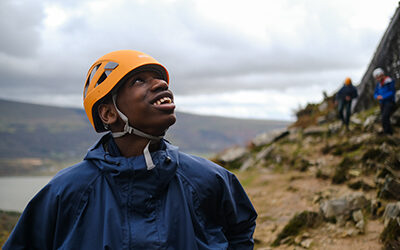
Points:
(201, 56)
(20, 24)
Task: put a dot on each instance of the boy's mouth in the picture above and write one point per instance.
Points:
(163, 100)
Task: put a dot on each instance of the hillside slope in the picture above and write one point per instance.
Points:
(38, 138)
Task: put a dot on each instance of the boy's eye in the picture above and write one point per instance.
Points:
(137, 80)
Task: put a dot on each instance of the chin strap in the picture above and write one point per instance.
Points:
(130, 130)
(127, 128)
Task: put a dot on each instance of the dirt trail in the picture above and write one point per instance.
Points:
(277, 197)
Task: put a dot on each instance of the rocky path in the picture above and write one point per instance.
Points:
(277, 197)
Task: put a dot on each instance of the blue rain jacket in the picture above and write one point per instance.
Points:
(113, 202)
(386, 90)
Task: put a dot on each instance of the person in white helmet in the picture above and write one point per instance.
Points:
(385, 93)
(134, 190)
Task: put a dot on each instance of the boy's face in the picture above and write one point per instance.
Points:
(147, 102)
(380, 78)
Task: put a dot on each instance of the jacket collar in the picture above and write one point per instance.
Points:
(109, 158)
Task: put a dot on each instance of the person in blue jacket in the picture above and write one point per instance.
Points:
(385, 93)
(344, 98)
(134, 190)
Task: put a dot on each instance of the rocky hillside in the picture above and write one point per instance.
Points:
(317, 185)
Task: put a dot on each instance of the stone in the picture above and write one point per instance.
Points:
(390, 189)
(361, 226)
(342, 208)
(358, 216)
(248, 163)
(334, 208)
(390, 234)
(232, 154)
(356, 120)
(269, 137)
(335, 127)
(323, 106)
(392, 210)
(369, 121)
(265, 153)
(360, 138)
(306, 243)
(315, 130)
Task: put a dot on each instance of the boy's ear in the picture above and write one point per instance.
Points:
(107, 113)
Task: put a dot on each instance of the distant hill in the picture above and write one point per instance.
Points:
(33, 131)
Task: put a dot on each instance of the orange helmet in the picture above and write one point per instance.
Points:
(347, 81)
(108, 72)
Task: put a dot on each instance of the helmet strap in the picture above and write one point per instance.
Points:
(129, 129)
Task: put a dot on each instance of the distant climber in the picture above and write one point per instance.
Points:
(385, 94)
(344, 98)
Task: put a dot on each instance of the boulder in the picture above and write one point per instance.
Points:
(390, 189)
(343, 207)
(315, 130)
(323, 106)
(356, 120)
(370, 121)
(361, 138)
(392, 211)
(269, 137)
(358, 218)
(265, 153)
(390, 235)
(232, 154)
(250, 162)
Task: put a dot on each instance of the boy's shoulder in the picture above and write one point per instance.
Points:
(202, 173)
(74, 178)
(196, 164)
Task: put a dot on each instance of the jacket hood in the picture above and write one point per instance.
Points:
(165, 159)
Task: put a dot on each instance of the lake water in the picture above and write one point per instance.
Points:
(16, 192)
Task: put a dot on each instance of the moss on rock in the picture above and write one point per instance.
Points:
(390, 236)
(305, 219)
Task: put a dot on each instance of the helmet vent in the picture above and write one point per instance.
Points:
(110, 66)
(101, 79)
(90, 79)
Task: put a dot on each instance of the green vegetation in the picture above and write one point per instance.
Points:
(7, 223)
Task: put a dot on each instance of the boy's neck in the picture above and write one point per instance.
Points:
(132, 145)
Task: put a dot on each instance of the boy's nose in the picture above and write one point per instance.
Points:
(159, 85)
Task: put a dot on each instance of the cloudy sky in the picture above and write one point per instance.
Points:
(249, 58)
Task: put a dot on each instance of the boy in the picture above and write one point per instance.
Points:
(134, 190)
